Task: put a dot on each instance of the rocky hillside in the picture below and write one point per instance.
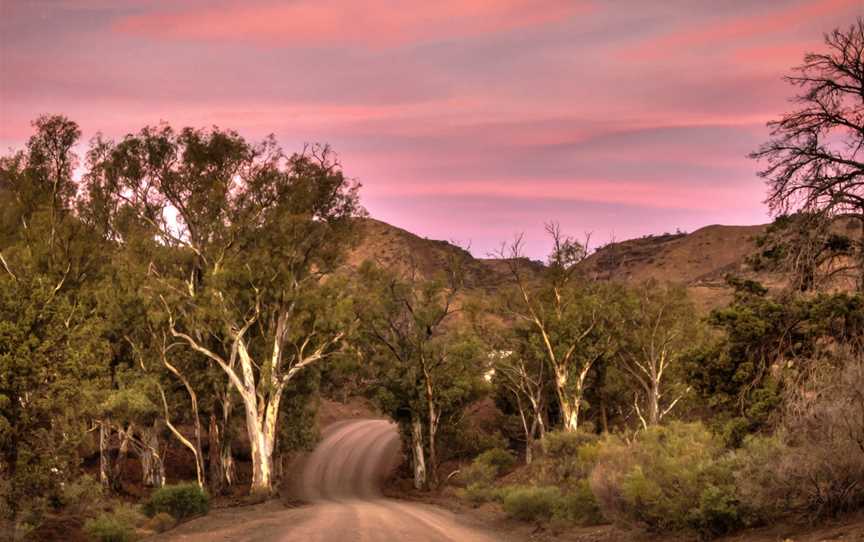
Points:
(700, 259)
(394, 247)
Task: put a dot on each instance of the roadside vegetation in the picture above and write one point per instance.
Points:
(169, 320)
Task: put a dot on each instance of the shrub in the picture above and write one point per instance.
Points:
(181, 501)
(161, 522)
(814, 467)
(486, 467)
(578, 507)
(479, 493)
(82, 495)
(719, 511)
(499, 458)
(129, 514)
(109, 528)
(568, 458)
(673, 478)
(531, 503)
(478, 474)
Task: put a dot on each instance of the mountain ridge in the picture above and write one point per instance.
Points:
(699, 260)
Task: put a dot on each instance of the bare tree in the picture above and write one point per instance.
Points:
(813, 161)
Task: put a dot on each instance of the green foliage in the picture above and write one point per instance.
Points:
(118, 525)
(568, 458)
(530, 503)
(734, 375)
(578, 506)
(500, 459)
(52, 350)
(672, 478)
(109, 528)
(550, 503)
(486, 467)
(82, 495)
(181, 501)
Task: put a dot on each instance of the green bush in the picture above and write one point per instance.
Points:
(531, 503)
(109, 528)
(161, 522)
(478, 474)
(486, 467)
(129, 514)
(568, 458)
(719, 511)
(499, 458)
(578, 507)
(181, 501)
(479, 493)
(672, 478)
(81, 496)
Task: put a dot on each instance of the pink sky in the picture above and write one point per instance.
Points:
(466, 120)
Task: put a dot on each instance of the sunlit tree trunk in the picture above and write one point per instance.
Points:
(417, 453)
(104, 458)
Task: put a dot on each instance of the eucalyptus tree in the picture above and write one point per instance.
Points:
(425, 368)
(246, 237)
(563, 317)
(52, 351)
(659, 325)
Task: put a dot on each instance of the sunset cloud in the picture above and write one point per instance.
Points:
(468, 120)
(374, 23)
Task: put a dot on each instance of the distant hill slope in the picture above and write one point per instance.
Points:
(699, 260)
(396, 248)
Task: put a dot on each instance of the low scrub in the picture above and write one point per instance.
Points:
(531, 503)
(567, 459)
(486, 467)
(814, 467)
(550, 503)
(672, 478)
(116, 526)
(81, 496)
(181, 501)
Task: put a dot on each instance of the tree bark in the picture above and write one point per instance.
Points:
(152, 462)
(215, 474)
(104, 458)
(418, 456)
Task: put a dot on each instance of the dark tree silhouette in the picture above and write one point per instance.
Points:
(813, 162)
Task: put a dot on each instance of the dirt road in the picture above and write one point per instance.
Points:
(342, 481)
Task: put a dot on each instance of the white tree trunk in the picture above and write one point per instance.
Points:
(417, 453)
(104, 459)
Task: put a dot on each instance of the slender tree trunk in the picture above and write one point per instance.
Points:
(120, 460)
(604, 414)
(226, 456)
(433, 448)
(152, 462)
(654, 403)
(104, 458)
(215, 474)
(418, 456)
(196, 450)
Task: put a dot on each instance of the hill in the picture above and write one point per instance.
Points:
(402, 250)
(700, 260)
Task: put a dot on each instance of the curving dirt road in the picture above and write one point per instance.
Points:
(342, 482)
